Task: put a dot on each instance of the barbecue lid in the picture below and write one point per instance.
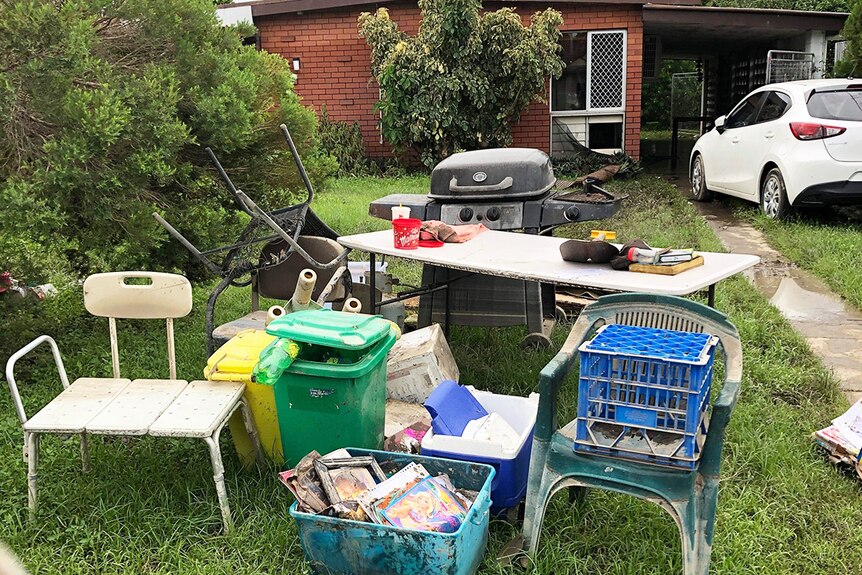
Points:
(497, 173)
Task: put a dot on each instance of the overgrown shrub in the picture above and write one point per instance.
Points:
(105, 108)
(464, 79)
(343, 141)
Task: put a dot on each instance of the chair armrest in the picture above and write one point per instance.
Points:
(553, 374)
(10, 371)
(711, 460)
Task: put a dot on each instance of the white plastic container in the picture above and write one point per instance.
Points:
(400, 212)
(359, 269)
(512, 462)
(417, 363)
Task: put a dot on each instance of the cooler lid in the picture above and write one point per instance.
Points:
(337, 329)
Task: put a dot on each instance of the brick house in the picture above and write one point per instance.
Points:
(597, 100)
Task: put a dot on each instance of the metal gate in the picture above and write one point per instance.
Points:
(686, 91)
(785, 66)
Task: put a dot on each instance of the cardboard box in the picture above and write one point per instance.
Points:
(417, 364)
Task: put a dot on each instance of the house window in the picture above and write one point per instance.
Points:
(570, 90)
(588, 100)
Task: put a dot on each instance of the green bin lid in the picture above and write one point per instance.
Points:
(329, 328)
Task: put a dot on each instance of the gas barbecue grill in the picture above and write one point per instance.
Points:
(505, 189)
(510, 189)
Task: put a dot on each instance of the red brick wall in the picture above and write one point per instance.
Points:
(335, 64)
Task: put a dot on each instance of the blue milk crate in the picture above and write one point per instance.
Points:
(643, 394)
(341, 546)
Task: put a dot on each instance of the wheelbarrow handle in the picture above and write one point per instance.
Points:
(188, 245)
(299, 165)
(256, 211)
(228, 182)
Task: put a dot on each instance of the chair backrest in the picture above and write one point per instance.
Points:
(153, 296)
(278, 282)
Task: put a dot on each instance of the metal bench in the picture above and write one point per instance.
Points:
(122, 407)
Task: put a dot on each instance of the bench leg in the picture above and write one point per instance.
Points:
(32, 465)
(85, 453)
(248, 421)
(218, 477)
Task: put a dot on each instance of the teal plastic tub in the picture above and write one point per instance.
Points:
(340, 546)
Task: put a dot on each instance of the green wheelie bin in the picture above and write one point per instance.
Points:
(333, 394)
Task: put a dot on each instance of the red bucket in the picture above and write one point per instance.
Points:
(406, 233)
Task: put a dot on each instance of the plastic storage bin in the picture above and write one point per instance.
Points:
(512, 465)
(234, 361)
(336, 394)
(340, 546)
(644, 394)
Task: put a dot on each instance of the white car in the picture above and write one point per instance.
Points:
(786, 145)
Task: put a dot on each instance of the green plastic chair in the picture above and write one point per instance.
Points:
(689, 496)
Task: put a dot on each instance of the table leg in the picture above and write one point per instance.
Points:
(447, 320)
(710, 296)
(372, 283)
(538, 329)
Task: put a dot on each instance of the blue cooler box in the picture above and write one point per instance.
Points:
(513, 464)
(341, 546)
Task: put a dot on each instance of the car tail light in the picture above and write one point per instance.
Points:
(811, 131)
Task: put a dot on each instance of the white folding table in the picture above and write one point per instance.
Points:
(537, 258)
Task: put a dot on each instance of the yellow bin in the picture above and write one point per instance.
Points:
(234, 361)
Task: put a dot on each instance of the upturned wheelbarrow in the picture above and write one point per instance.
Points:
(269, 254)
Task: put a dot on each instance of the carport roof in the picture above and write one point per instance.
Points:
(697, 30)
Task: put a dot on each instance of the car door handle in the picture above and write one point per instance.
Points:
(769, 135)
(734, 140)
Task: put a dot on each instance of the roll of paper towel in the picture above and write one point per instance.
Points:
(274, 312)
(304, 286)
(352, 305)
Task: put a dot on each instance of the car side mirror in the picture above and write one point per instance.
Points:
(719, 124)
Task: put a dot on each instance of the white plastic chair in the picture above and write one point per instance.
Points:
(119, 406)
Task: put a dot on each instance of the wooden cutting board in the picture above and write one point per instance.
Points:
(667, 270)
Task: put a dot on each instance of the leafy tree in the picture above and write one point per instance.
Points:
(464, 79)
(105, 108)
(851, 64)
(813, 5)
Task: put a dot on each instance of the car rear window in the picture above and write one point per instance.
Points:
(838, 105)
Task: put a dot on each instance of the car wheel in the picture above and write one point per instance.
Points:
(773, 196)
(699, 191)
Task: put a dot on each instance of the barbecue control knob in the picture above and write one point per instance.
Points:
(572, 213)
(493, 214)
(465, 215)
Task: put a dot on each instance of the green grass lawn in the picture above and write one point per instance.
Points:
(149, 506)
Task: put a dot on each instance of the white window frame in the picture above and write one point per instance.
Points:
(589, 111)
